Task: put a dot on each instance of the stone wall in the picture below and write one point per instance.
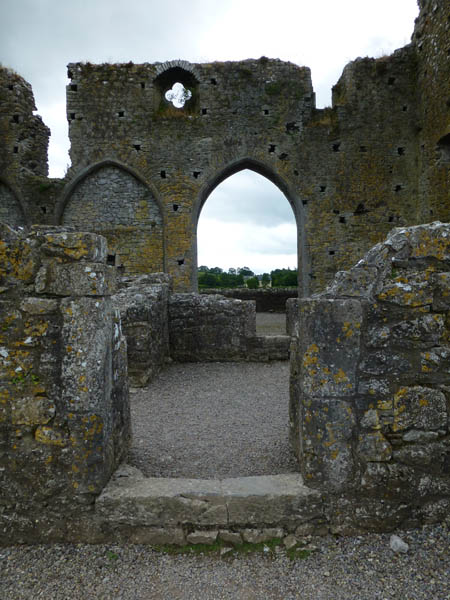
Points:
(64, 413)
(370, 393)
(10, 209)
(266, 299)
(370, 396)
(212, 327)
(209, 327)
(143, 306)
(112, 202)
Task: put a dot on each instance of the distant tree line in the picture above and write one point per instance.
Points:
(215, 277)
(284, 277)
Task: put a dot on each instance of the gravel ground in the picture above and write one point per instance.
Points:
(362, 568)
(213, 420)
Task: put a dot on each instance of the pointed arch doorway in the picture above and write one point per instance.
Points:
(252, 216)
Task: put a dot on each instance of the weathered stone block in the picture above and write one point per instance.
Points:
(202, 537)
(385, 363)
(76, 279)
(358, 282)
(330, 345)
(39, 306)
(374, 447)
(157, 536)
(157, 502)
(276, 499)
(433, 455)
(441, 298)
(411, 289)
(419, 408)
(231, 537)
(327, 432)
(435, 359)
(75, 246)
(86, 361)
(32, 411)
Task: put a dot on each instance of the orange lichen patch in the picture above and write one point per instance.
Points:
(48, 435)
(36, 328)
(347, 329)
(385, 404)
(340, 376)
(309, 357)
(4, 396)
(398, 406)
(429, 246)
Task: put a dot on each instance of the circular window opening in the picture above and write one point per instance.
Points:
(178, 95)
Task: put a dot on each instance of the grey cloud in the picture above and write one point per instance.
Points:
(248, 198)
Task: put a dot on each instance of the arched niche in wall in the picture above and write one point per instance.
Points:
(167, 85)
(289, 194)
(11, 210)
(111, 200)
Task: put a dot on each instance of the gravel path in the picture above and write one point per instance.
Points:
(361, 568)
(213, 420)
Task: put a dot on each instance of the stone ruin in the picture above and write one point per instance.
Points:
(370, 396)
(370, 351)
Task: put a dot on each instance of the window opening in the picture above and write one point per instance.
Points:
(178, 95)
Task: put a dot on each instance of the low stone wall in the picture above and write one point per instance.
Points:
(266, 299)
(212, 327)
(370, 384)
(143, 307)
(64, 413)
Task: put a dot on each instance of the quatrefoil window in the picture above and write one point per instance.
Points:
(178, 95)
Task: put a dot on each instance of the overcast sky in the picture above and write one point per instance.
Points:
(39, 37)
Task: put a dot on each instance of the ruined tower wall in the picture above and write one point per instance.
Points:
(361, 163)
(432, 42)
(23, 148)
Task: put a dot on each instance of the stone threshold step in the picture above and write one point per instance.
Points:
(134, 500)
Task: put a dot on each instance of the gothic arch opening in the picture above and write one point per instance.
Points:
(250, 213)
(247, 221)
(111, 201)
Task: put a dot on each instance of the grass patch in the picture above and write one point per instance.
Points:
(298, 553)
(268, 548)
